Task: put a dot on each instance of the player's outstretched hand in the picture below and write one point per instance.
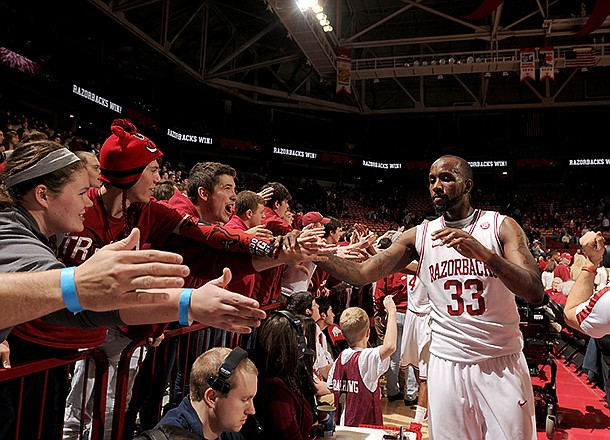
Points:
(462, 242)
(593, 246)
(109, 279)
(212, 305)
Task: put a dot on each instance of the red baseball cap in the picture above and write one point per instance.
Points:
(566, 255)
(313, 217)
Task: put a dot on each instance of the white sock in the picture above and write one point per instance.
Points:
(420, 414)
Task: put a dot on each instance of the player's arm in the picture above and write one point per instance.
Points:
(391, 260)
(593, 246)
(518, 269)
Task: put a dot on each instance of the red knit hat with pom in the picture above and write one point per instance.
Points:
(125, 154)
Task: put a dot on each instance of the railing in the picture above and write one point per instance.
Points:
(21, 372)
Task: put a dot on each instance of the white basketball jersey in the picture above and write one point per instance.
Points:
(418, 296)
(473, 314)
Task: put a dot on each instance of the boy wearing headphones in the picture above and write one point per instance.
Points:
(223, 386)
(354, 377)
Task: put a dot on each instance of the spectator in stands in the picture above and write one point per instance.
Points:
(92, 166)
(563, 268)
(333, 231)
(354, 376)
(332, 332)
(537, 251)
(298, 278)
(248, 216)
(164, 190)
(268, 283)
(303, 303)
(284, 412)
(556, 293)
(548, 274)
(211, 411)
(211, 189)
(11, 139)
(566, 238)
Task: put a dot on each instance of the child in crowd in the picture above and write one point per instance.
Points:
(354, 377)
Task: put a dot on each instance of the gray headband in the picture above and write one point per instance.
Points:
(56, 160)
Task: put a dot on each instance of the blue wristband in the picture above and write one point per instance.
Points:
(68, 290)
(183, 308)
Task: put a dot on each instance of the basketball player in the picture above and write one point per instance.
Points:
(471, 262)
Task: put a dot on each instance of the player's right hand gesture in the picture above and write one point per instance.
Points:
(462, 242)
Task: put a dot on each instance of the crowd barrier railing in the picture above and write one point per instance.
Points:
(200, 336)
(21, 372)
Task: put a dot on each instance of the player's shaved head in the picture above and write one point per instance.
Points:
(460, 165)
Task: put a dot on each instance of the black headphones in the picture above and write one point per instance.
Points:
(220, 381)
(298, 326)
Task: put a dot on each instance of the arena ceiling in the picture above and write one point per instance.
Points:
(408, 56)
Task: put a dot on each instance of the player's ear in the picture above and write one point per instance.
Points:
(469, 185)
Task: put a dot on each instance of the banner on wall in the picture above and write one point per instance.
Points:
(344, 71)
(546, 55)
(528, 64)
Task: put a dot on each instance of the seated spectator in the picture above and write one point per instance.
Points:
(563, 268)
(302, 303)
(283, 411)
(548, 274)
(556, 293)
(354, 377)
(219, 403)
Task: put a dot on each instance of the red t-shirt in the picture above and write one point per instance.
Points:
(395, 285)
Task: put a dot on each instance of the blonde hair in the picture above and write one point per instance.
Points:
(354, 324)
